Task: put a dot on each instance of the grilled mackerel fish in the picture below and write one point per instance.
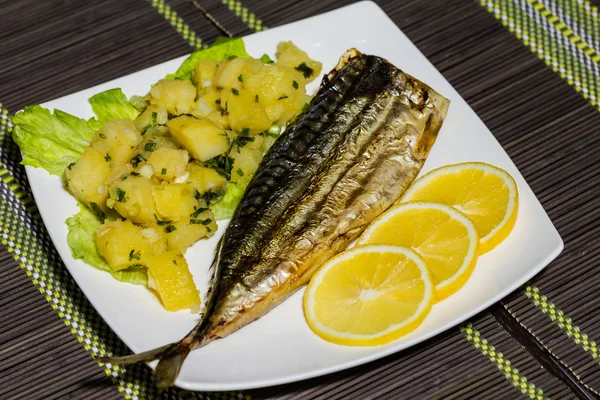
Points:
(341, 163)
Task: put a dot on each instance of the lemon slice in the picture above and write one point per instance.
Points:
(486, 194)
(369, 295)
(444, 237)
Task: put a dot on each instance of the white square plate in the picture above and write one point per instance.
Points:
(280, 347)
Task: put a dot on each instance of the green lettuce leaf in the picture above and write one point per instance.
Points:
(112, 104)
(80, 238)
(50, 141)
(227, 204)
(221, 50)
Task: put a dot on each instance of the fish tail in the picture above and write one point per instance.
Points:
(146, 356)
(169, 365)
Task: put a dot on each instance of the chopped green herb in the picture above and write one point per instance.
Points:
(137, 159)
(70, 166)
(206, 221)
(163, 171)
(222, 164)
(133, 173)
(256, 99)
(150, 146)
(295, 85)
(240, 172)
(232, 57)
(124, 177)
(208, 229)
(224, 110)
(285, 96)
(235, 91)
(305, 69)
(175, 262)
(218, 101)
(107, 157)
(98, 211)
(102, 135)
(133, 255)
(170, 228)
(241, 141)
(241, 78)
(152, 124)
(159, 222)
(197, 195)
(135, 266)
(120, 195)
(245, 131)
(195, 221)
(198, 211)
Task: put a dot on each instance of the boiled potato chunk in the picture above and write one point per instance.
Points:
(205, 72)
(132, 198)
(188, 231)
(245, 163)
(289, 55)
(85, 179)
(228, 74)
(120, 172)
(174, 201)
(280, 91)
(117, 140)
(151, 117)
(123, 244)
(176, 96)
(245, 111)
(169, 276)
(205, 179)
(169, 164)
(200, 136)
(218, 118)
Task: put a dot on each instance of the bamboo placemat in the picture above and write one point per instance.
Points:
(529, 68)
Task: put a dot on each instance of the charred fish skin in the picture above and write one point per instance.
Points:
(339, 165)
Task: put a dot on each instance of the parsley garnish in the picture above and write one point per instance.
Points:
(256, 99)
(224, 110)
(305, 69)
(235, 91)
(102, 135)
(170, 228)
(245, 131)
(285, 96)
(107, 157)
(222, 164)
(70, 166)
(163, 171)
(206, 221)
(241, 78)
(295, 85)
(150, 146)
(159, 222)
(240, 172)
(199, 211)
(120, 195)
(133, 255)
(137, 159)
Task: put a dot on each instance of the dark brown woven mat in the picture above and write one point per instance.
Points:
(50, 49)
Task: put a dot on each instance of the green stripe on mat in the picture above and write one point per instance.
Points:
(177, 22)
(248, 17)
(504, 365)
(567, 45)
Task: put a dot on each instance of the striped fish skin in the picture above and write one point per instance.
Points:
(364, 139)
(339, 165)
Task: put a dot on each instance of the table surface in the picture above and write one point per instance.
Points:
(529, 69)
